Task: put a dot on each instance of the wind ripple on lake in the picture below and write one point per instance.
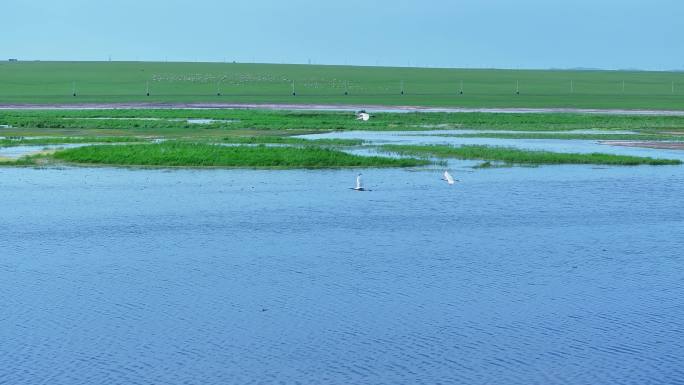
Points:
(563, 275)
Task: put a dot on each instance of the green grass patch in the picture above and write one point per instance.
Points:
(511, 155)
(178, 154)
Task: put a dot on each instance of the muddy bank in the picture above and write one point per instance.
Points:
(324, 107)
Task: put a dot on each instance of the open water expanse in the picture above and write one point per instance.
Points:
(549, 275)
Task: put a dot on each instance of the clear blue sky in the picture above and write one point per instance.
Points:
(612, 34)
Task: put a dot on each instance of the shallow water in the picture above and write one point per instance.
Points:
(558, 145)
(210, 121)
(549, 275)
(16, 152)
(443, 131)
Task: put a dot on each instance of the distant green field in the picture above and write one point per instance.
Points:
(112, 82)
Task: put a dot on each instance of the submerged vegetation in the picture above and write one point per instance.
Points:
(210, 155)
(509, 155)
(23, 161)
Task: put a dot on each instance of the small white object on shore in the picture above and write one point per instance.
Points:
(362, 115)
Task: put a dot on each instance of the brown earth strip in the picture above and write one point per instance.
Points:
(322, 107)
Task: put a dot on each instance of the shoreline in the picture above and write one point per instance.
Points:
(645, 144)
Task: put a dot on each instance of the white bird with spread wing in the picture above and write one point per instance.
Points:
(359, 185)
(448, 178)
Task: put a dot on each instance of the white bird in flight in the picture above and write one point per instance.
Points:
(359, 186)
(448, 178)
(362, 115)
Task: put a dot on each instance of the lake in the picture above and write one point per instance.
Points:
(548, 275)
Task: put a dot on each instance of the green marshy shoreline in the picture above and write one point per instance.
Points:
(236, 138)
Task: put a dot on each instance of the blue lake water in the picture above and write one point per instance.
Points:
(548, 275)
(558, 145)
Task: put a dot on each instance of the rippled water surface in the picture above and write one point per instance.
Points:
(550, 275)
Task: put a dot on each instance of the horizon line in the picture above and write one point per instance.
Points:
(503, 68)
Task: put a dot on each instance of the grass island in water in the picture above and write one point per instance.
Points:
(180, 154)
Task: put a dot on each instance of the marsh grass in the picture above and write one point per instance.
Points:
(291, 140)
(511, 155)
(179, 154)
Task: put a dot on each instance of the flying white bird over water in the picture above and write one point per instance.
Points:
(362, 115)
(448, 178)
(359, 185)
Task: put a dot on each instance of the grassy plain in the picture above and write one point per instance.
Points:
(126, 82)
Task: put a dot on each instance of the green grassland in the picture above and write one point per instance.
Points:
(509, 155)
(122, 82)
(179, 154)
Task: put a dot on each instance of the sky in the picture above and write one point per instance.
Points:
(608, 34)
